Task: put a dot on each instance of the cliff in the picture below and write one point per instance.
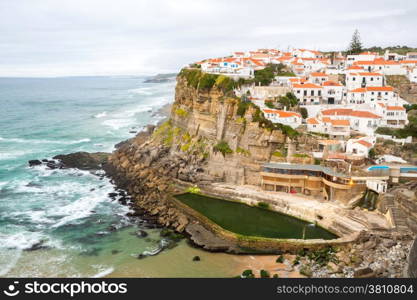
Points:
(211, 136)
(405, 89)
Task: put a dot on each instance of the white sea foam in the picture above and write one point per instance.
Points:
(13, 154)
(20, 240)
(100, 115)
(117, 124)
(146, 91)
(103, 272)
(43, 141)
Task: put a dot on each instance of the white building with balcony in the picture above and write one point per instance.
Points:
(308, 93)
(364, 79)
(288, 118)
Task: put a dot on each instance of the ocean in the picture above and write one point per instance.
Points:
(62, 223)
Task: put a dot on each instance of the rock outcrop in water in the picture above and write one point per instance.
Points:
(79, 160)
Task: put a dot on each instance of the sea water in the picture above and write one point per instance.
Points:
(77, 229)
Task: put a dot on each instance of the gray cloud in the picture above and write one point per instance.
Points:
(101, 37)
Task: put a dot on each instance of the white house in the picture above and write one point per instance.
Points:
(394, 116)
(362, 121)
(304, 53)
(333, 92)
(289, 118)
(364, 79)
(359, 147)
(351, 59)
(308, 93)
(380, 65)
(371, 95)
(318, 77)
(335, 128)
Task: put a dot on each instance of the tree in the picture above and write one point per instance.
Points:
(355, 46)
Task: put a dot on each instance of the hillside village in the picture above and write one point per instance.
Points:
(345, 98)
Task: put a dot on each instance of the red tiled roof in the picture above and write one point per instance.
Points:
(349, 112)
(312, 121)
(380, 88)
(282, 113)
(364, 143)
(340, 122)
(331, 83)
(395, 108)
(318, 74)
(306, 86)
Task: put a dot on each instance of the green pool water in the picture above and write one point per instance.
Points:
(253, 221)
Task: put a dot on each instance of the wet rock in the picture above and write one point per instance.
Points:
(112, 195)
(83, 160)
(141, 233)
(37, 246)
(34, 162)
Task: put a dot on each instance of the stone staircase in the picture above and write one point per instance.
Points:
(397, 214)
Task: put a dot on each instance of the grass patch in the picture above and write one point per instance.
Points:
(300, 155)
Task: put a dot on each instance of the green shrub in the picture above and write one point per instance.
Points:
(247, 274)
(223, 148)
(280, 259)
(265, 274)
(225, 83)
(181, 112)
(207, 81)
(263, 205)
(269, 104)
(275, 276)
(242, 107)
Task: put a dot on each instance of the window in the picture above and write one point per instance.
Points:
(305, 92)
(312, 93)
(319, 93)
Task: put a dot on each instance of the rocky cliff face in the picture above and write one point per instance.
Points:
(403, 87)
(205, 140)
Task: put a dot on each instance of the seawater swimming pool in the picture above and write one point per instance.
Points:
(409, 169)
(253, 221)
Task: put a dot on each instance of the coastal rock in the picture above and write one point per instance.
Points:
(83, 160)
(34, 162)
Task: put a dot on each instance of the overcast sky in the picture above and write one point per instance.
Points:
(131, 37)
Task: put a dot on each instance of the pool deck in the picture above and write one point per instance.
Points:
(333, 216)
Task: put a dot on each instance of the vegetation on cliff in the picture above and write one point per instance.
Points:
(204, 81)
(222, 147)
